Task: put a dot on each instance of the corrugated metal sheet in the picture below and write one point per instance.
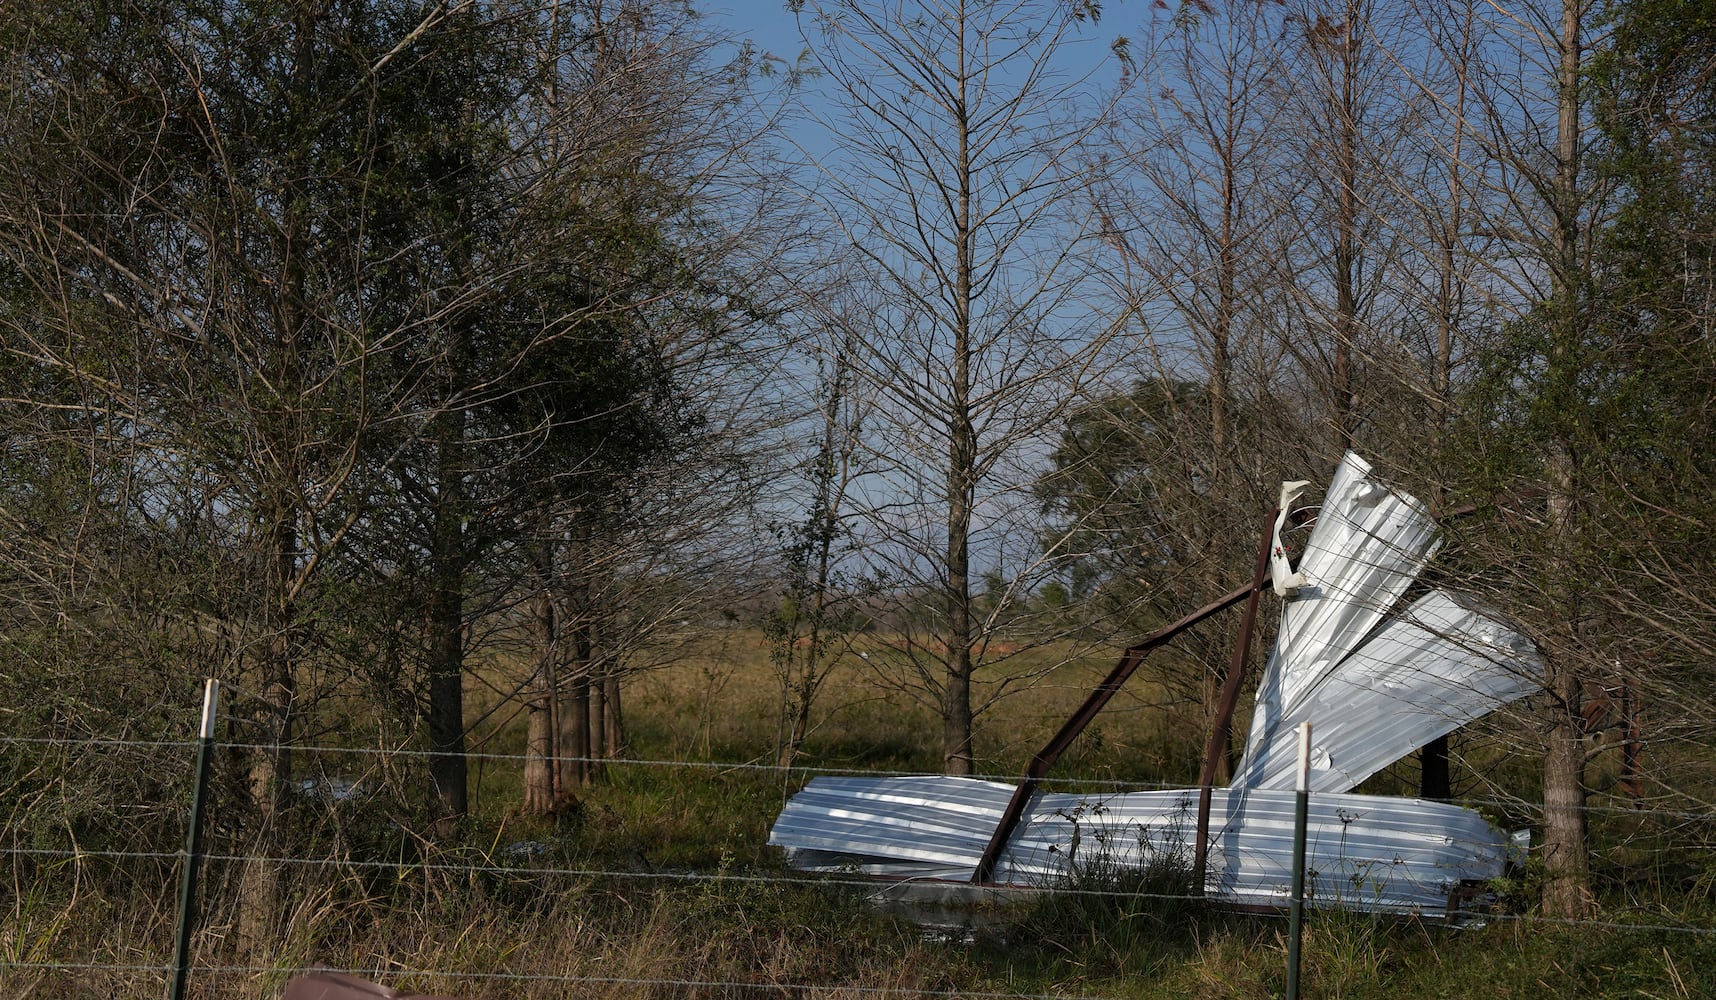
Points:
(1423, 674)
(1374, 685)
(1365, 852)
(1368, 545)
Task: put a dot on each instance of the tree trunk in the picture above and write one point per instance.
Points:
(798, 723)
(543, 790)
(1566, 892)
(598, 718)
(575, 710)
(1436, 776)
(613, 720)
(278, 466)
(578, 737)
(270, 771)
(266, 781)
(1347, 238)
(802, 690)
(957, 756)
(446, 649)
(450, 554)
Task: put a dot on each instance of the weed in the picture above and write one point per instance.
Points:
(688, 893)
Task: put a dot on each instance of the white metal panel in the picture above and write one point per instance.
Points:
(1423, 674)
(1368, 545)
(1368, 853)
(1373, 689)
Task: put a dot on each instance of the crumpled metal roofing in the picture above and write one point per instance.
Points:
(1422, 674)
(1368, 545)
(1368, 852)
(1374, 684)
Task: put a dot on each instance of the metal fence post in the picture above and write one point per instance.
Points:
(193, 845)
(1301, 811)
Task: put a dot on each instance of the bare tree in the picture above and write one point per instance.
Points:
(1199, 219)
(1531, 132)
(649, 157)
(957, 156)
(1352, 111)
(1517, 227)
(816, 613)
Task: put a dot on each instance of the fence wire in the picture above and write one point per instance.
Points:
(18, 957)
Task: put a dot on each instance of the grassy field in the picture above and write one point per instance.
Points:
(660, 883)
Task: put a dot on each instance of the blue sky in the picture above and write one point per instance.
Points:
(765, 22)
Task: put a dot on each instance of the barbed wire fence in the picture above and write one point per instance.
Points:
(357, 860)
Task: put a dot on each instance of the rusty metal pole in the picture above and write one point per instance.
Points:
(1069, 731)
(1216, 745)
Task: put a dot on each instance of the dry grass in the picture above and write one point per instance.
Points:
(720, 701)
(661, 884)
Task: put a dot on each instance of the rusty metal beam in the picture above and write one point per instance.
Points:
(1099, 697)
(1129, 662)
(1216, 746)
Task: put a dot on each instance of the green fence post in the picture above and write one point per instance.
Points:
(1301, 812)
(194, 845)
